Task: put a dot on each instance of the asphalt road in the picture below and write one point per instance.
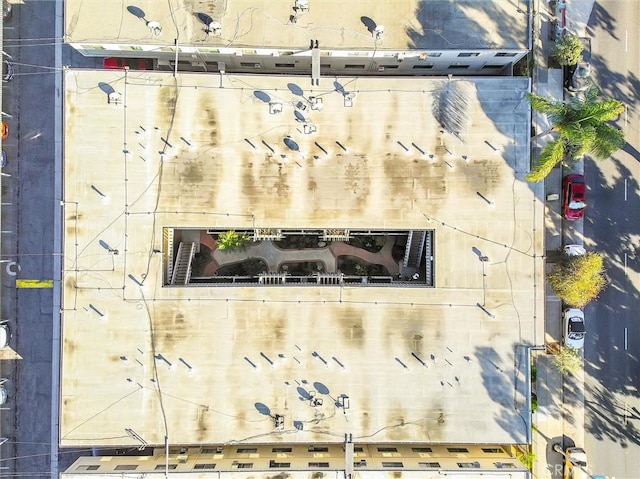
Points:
(28, 211)
(29, 218)
(612, 227)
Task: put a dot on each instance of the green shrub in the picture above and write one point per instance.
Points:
(231, 240)
(579, 279)
(568, 50)
(534, 372)
(568, 360)
(526, 458)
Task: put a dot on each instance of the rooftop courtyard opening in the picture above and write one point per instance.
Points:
(271, 256)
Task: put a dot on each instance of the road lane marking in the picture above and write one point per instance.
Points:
(625, 115)
(625, 339)
(625, 189)
(34, 283)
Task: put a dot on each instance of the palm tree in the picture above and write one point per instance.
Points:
(581, 126)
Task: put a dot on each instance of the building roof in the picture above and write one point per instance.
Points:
(408, 24)
(215, 365)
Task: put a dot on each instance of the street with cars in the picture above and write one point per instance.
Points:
(606, 221)
(29, 206)
(612, 227)
(27, 237)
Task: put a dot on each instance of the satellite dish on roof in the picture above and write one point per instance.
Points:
(291, 144)
(135, 11)
(204, 18)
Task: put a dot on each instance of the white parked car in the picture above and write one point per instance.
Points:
(3, 395)
(574, 250)
(574, 329)
(575, 462)
(4, 336)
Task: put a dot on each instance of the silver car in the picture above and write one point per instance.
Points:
(574, 329)
(7, 71)
(574, 250)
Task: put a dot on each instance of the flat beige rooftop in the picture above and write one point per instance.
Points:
(339, 25)
(214, 365)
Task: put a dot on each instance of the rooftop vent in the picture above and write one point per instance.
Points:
(343, 401)
(302, 5)
(316, 103)
(155, 28)
(275, 108)
(348, 99)
(115, 98)
(214, 28)
(378, 33)
(279, 422)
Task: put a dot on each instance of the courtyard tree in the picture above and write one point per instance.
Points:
(578, 279)
(526, 457)
(230, 240)
(568, 50)
(568, 360)
(579, 126)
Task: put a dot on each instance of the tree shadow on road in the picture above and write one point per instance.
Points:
(614, 234)
(610, 418)
(601, 18)
(614, 246)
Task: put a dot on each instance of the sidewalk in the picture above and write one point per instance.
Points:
(560, 414)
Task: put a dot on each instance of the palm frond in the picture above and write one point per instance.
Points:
(591, 94)
(550, 156)
(599, 112)
(574, 132)
(545, 105)
(607, 140)
(612, 108)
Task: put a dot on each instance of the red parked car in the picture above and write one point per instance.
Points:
(574, 192)
(113, 63)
